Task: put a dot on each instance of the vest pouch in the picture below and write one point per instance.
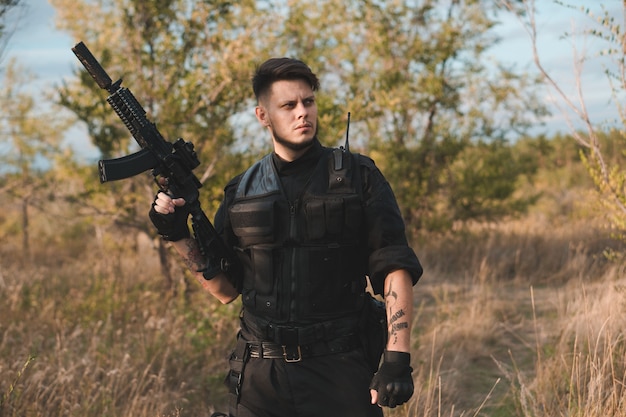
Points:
(263, 269)
(315, 219)
(324, 218)
(334, 216)
(261, 296)
(353, 211)
(253, 221)
(262, 305)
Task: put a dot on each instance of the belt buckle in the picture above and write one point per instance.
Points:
(291, 358)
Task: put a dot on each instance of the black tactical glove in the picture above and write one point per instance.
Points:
(393, 381)
(171, 226)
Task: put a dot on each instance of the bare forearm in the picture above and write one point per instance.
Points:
(399, 303)
(220, 287)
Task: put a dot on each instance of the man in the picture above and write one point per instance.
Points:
(308, 224)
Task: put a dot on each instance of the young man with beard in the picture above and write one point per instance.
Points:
(309, 224)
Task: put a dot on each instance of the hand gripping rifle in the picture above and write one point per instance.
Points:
(174, 161)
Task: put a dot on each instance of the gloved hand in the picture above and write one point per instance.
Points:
(393, 381)
(169, 216)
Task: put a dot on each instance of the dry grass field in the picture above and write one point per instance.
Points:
(527, 319)
(521, 318)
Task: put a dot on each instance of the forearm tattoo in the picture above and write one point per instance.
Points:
(393, 323)
(193, 257)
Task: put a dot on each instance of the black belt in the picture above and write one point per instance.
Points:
(301, 335)
(295, 353)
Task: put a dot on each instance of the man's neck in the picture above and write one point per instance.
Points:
(289, 155)
(308, 158)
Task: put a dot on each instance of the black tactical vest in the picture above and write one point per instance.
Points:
(304, 260)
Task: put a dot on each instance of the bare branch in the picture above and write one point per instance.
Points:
(590, 138)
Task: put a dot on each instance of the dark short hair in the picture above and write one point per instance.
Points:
(277, 69)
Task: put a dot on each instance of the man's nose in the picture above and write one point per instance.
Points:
(302, 110)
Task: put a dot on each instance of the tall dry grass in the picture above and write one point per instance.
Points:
(95, 334)
(523, 318)
(584, 374)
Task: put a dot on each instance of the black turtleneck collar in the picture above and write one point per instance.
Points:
(294, 176)
(306, 162)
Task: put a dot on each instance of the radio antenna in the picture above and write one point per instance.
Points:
(347, 145)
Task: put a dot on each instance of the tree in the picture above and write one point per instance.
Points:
(412, 74)
(188, 64)
(33, 138)
(608, 173)
(5, 6)
(416, 79)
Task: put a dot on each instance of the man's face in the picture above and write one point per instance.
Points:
(289, 112)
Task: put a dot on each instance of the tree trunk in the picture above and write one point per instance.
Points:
(166, 270)
(25, 231)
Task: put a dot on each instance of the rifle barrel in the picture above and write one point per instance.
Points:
(92, 66)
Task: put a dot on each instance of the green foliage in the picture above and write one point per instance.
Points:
(185, 65)
(604, 154)
(31, 137)
(419, 92)
(458, 181)
(412, 77)
(609, 176)
(177, 62)
(483, 180)
(435, 117)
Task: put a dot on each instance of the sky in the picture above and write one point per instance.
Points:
(36, 42)
(46, 52)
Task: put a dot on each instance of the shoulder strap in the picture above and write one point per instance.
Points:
(259, 179)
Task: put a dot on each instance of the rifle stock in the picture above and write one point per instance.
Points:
(174, 161)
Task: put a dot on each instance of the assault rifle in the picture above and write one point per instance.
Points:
(174, 161)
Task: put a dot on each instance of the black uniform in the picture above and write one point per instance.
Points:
(307, 233)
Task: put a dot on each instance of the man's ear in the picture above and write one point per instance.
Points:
(261, 115)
